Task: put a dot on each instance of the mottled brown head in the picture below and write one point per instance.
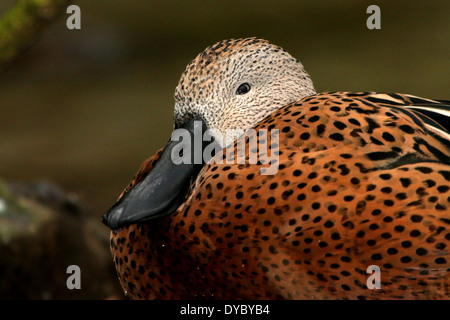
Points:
(234, 84)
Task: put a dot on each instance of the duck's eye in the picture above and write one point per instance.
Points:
(243, 88)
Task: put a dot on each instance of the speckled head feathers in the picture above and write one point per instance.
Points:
(208, 88)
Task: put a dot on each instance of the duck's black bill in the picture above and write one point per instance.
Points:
(164, 188)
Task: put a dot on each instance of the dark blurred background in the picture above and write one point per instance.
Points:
(84, 108)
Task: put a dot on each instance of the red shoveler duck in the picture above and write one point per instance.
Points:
(362, 179)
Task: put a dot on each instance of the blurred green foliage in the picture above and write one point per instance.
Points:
(20, 25)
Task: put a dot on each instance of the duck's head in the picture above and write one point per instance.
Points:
(227, 89)
(234, 84)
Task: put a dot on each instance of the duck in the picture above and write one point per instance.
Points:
(328, 186)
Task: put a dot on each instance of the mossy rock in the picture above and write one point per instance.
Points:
(43, 230)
